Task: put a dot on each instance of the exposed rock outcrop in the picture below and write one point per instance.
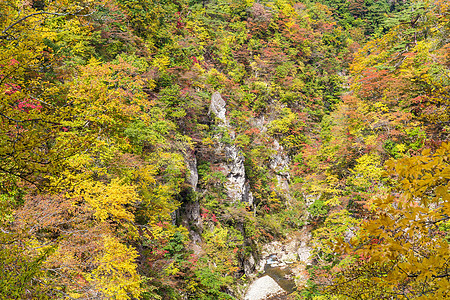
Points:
(236, 184)
(294, 252)
(304, 251)
(249, 264)
(217, 107)
(279, 163)
(190, 209)
(294, 249)
(193, 173)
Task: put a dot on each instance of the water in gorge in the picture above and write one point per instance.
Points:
(280, 272)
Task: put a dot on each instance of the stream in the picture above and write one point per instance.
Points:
(279, 272)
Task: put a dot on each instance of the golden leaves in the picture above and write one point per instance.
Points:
(107, 96)
(111, 200)
(116, 275)
(405, 233)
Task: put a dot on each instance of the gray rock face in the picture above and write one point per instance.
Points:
(236, 185)
(304, 252)
(191, 219)
(249, 264)
(190, 211)
(279, 163)
(349, 234)
(263, 288)
(217, 107)
(293, 253)
(294, 249)
(247, 196)
(193, 173)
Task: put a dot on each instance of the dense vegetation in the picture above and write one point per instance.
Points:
(105, 104)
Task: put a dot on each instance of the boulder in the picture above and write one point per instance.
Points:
(263, 288)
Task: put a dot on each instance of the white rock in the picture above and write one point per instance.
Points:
(237, 186)
(218, 107)
(193, 174)
(304, 254)
(263, 288)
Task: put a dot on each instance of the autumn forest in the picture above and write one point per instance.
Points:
(171, 149)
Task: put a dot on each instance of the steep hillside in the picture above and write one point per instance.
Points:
(175, 149)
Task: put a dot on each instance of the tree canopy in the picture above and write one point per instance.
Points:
(118, 181)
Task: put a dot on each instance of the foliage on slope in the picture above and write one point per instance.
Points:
(395, 109)
(103, 102)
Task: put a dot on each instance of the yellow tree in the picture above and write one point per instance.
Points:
(105, 200)
(33, 105)
(403, 251)
(32, 108)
